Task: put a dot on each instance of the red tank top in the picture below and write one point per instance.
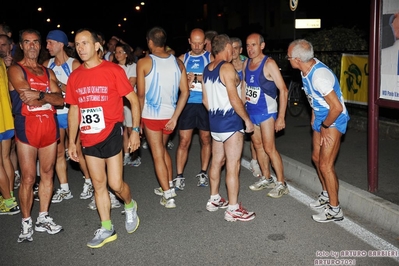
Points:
(38, 83)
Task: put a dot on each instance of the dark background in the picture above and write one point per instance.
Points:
(176, 17)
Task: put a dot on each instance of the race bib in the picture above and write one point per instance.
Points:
(197, 86)
(252, 94)
(92, 121)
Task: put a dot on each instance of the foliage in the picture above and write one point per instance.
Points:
(329, 44)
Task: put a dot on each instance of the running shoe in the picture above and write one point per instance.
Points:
(126, 160)
(11, 210)
(17, 180)
(202, 180)
(159, 191)
(61, 195)
(240, 214)
(170, 145)
(46, 224)
(262, 184)
(132, 220)
(26, 232)
(214, 205)
(321, 202)
(102, 236)
(144, 145)
(168, 203)
(67, 155)
(115, 203)
(136, 162)
(87, 191)
(328, 215)
(279, 190)
(36, 192)
(179, 183)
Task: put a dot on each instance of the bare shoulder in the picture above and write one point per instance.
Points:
(227, 66)
(180, 63)
(271, 63)
(75, 63)
(45, 63)
(14, 70)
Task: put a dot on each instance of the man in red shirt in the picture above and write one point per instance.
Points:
(95, 92)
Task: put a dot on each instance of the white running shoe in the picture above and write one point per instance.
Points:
(46, 224)
(87, 191)
(61, 195)
(26, 232)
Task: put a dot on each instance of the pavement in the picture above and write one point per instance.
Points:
(282, 233)
(380, 208)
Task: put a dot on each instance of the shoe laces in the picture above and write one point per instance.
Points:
(86, 187)
(112, 196)
(26, 227)
(99, 232)
(242, 209)
(260, 182)
(46, 220)
(129, 215)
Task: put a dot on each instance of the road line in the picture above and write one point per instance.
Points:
(347, 224)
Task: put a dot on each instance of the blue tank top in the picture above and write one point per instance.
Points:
(260, 92)
(196, 64)
(222, 117)
(316, 98)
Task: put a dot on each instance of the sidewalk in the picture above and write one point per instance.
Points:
(380, 208)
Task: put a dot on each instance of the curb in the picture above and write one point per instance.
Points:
(361, 203)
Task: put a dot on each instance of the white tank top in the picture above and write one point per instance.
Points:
(161, 88)
(62, 73)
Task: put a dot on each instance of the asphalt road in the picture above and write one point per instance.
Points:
(282, 233)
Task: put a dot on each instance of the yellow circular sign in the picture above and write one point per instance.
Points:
(293, 4)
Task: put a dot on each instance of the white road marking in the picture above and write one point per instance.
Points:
(347, 224)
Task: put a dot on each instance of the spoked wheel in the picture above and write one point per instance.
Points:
(296, 101)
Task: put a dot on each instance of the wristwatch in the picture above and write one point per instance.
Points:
(323, 125)
(41, 96)
(137, 129)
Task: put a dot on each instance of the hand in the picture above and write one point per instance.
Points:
(170, 126)
(73, 154)
(134, 142)
(190, 80)
(249, 126)
(8, 60)
(29, 96)
(279, 125)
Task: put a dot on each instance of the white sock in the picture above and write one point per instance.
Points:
(170, 184)
(42, 214)
(127, 155)
(215, 197)
(87, 180)
(65, 186)
(324, 193)
(26, 219)
(233, 207)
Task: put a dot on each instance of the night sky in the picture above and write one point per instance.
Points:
(177, 19)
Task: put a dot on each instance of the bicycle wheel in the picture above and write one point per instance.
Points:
(295, 99)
